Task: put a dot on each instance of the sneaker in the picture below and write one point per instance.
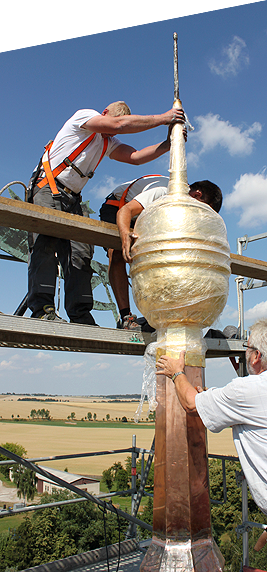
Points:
(145, 327)
(50, 314)
(130, 323)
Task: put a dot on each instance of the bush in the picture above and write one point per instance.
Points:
(13, 448)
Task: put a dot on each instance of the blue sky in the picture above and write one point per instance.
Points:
(222, 63)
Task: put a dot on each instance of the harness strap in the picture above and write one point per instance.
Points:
(122, 200)
(47, 169)
(51, 175)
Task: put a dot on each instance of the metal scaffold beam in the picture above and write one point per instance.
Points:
(29, 333)
(33, 218)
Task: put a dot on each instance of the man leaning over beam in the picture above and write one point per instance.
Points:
(57, 183)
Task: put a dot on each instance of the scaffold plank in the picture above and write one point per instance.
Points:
(249, 267)
(33, 218)
(29, 333)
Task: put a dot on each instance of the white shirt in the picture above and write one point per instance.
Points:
(144, 190)
(68, 139)
(242, 405)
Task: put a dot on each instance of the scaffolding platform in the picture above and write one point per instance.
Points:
(30, 333)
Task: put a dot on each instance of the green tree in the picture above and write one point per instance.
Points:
(124, 419)
(26, 481)
(120, 476)
(226, 517)
(108, 478)
(18, 551)
(107, 416)
(72, 415)
(147, 516)
(47, 414)
(13, 448)
(33, 413)
(89, 416)
(51, 534)
(95, 416)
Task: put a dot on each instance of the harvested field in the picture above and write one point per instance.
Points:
(41, 441)
(9, 405)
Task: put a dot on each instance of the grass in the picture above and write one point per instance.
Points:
(7, 522)
(123, 502)
(6, 481)
(79, 423)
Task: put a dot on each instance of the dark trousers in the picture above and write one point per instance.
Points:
(75, 258)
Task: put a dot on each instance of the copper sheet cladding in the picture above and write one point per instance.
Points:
(182, 539)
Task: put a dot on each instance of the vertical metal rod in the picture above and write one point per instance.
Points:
(245, 519)
(224, 481)
(241, 294)
(142, 465)
(144, 476)
(175, 66)
(133, 480)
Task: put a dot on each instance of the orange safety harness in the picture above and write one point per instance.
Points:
(51, 175)
(122, 200)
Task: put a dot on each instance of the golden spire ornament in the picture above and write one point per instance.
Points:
(180, 273)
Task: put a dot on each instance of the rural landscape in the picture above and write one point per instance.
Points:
(49, 425)
(68, 429)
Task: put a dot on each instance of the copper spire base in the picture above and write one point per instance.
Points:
(182, 539)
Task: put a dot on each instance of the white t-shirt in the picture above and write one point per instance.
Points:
(242, 405)
(68, 139)
(145, 190)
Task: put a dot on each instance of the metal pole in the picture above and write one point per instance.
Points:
(142, 466)
(240, 293)
(138, 496)
(133, 531)
(245, 519)
(175, 65)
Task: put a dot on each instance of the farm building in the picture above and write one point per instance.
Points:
(45, 485)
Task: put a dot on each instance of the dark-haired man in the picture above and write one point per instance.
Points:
(137, 195)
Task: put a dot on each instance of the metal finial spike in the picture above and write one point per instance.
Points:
(175, 66)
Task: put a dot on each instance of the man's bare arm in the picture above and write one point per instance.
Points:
(127, 154)
(186, 392)
(124, 124)
(124, 217)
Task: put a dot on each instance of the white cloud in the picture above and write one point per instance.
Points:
(7, 365)
(229, 313)
(100, 366)
(248, 193)
(258, 311)
(192, 159)
(140, 363)
(33, 370)
(67, 366)
(43, 355)
(214, 131)
(234, 58)
(104, 188)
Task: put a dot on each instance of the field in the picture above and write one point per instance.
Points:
(42, 440)
(9, 405)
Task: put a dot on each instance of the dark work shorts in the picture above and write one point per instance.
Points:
(108, 213)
